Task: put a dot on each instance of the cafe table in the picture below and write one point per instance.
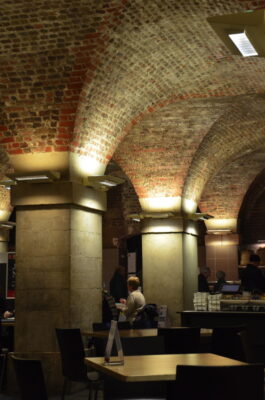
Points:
(161, 367)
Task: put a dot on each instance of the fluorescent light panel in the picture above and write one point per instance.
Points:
(108, 183)
(32, 178)
(243, 44)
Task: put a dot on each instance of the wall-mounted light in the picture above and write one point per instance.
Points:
(104, 182)
(200, 216)
(7, 225)
(162, 215)
(157, 215)
(7, 183)
(38, 177)
(219, 231)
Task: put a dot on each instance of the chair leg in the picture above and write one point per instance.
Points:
(65, 385)
(2, 370)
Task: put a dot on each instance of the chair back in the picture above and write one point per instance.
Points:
(180, 340)
(132, 346)
(72, 354)
(30, 379)
(146, 345)
(242, 382)
(226, 342)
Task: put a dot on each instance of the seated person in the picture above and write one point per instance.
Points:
(220, 276)
(135, 301)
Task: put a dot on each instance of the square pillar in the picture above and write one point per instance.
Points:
(170, 263)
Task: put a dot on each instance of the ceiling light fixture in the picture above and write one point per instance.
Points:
(38, 177)
(242, 33)
(103, 182)
(243, 44)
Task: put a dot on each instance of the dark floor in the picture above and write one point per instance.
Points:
(82, 395)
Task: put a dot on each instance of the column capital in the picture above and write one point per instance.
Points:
(57, 193)
(169, 225)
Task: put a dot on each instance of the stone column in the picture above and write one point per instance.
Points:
(170, 263)
(59, 266)
(4, 237)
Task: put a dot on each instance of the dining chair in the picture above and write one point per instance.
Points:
(180, 340)
(242, 382)
(30, 379)
(72, 360)
(226, 342)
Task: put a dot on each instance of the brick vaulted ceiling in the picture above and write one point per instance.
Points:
(145, 82)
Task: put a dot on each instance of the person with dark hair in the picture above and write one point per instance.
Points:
(118, 284)
(252, 277)
(220, 276)
(204, 274)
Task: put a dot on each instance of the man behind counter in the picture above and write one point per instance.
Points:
(252, 277)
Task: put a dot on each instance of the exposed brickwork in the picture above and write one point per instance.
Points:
(224, 193)
(5, 199)
(146, 81)
(121, 202)
(158, 151)
(47, 50)
(238, 131)
(154, 59)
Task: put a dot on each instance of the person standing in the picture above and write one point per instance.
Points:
(220, 276)
(203, 276)
(252, 277)
(118, 284)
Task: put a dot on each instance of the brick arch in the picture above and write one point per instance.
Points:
(154, 60)
(238, 131)
(50, 51)
(157, 152)
(224, 193)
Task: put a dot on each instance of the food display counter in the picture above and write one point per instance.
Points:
(211, 319)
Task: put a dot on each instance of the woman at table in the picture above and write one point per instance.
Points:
(135, 301)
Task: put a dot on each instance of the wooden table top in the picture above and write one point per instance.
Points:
(136, 332)
(160, 367)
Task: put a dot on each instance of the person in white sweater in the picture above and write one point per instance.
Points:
(135, 301)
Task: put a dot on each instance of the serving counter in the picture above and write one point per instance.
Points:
(211, 319)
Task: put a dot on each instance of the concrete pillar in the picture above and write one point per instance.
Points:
(170, 263)
(4, 237)
(58, 264)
